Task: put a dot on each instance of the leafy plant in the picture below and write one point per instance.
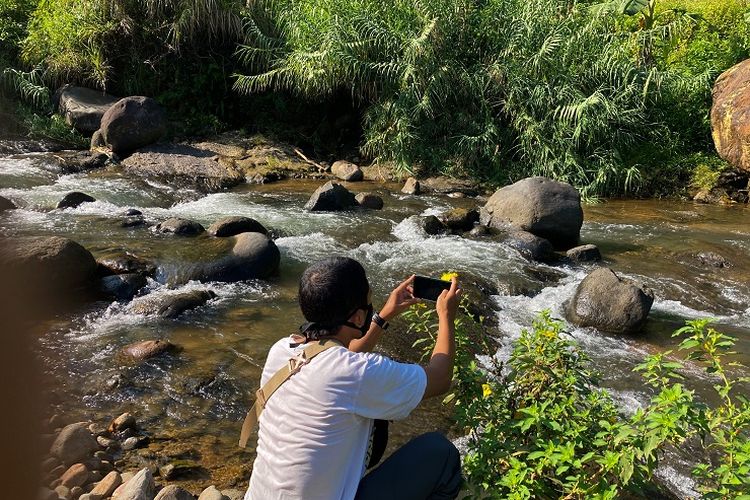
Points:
(540, 427)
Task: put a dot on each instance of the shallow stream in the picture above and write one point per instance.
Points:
(192, 402)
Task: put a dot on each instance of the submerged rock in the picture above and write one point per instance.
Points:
(231, 226)
(369, 200)
(146, 349)
(6, 204)
(543, 207)
(75, 199)
(347, 171)
(448, 185)
(122, 286)
(713, 259)
(170, 305)
(609, 303)
(331, 196)
(132, 123)
(126, 264)
(83, 108)
(179, 226)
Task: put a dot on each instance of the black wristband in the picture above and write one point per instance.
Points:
(382, 324)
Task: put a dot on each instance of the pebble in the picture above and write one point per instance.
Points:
(63, 492)
(74, 443)
(76, 492)
(174, 492)
(134, 442)
(106, 442)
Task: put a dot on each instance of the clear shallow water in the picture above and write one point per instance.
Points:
(192, 401)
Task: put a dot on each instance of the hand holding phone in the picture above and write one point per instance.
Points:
(429, 288)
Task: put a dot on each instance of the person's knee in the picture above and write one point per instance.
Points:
(439, 444)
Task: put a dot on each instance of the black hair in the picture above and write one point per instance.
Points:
(330, 291)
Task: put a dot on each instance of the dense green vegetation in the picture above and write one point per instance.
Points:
(612, 96)
(540, 427)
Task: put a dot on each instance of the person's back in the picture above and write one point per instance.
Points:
(314, 431)
(323, 417)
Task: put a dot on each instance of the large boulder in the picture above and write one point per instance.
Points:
(185, 165)
(122, 286)
(609, 303)
(170, 305)
(331, 196)
(460, 219)
(83, 108)
(369, 200)
(74, 444)
(730, 115)
(48, 262)
(347, 171)
(231, 226)
(546, 208)
(253, 256)
(132, 123)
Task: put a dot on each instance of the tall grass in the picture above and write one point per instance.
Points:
(493, 88)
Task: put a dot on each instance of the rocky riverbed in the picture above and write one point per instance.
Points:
(172, 331)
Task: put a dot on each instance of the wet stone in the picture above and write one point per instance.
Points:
(411, 186)
(584, 253)
(179, 227)
(75, 199)
(122, 422)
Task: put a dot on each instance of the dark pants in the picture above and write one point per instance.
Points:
(427, 467)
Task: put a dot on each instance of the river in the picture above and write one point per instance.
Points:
(192, 402)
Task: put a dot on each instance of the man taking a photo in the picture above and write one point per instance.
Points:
(315, 431)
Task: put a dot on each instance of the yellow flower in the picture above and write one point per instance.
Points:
(486, 390)
(449, 276)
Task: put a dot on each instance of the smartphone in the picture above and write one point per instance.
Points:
(429, 288)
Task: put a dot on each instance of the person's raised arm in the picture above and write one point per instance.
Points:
(398, 301)
(440, 368)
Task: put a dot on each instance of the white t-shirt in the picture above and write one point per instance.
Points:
(314, 432)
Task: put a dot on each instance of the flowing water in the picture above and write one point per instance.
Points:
(192, 401)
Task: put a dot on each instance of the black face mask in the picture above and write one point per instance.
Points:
(366, 325)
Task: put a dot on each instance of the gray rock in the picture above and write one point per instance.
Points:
(184, 165)
(369, 200)
(447, 185)
(584, 253)
(347, 171)
(122, 286)
(460, 219)
(179, 226)
(231, 226)
(74, 200)
(129, 222)
(530, 246)
(480, 230)
(253, 256)
(234, 494)
(83, 108)
(63, 492)
(74, 444)
(140, 487)
(170, 305)
(330, 196)
(130, 212)
(174, 492)
(432, 225)
(132, 123)
(211, 493)
(611, 304)
(545, 208)
(6, 204)
(411, 186)
(97, 140)
(134, 442)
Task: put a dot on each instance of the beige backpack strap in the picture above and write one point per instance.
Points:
(264, 393)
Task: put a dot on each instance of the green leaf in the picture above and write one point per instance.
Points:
(633, 7)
